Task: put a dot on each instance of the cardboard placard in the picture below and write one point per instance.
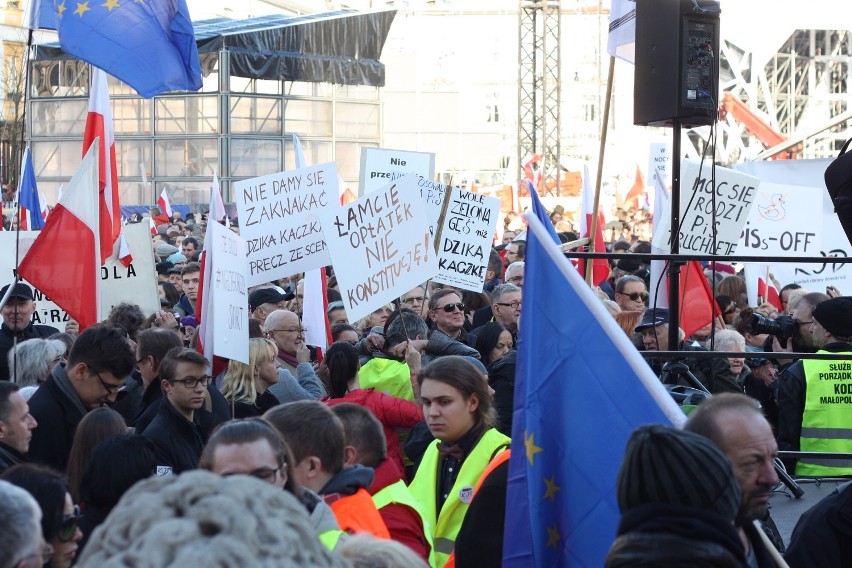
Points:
(380, 247)
(279, 220)
(785, 220)
(466, 237)
(382, 165)
(228, 310)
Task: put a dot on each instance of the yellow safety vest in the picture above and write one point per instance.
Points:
(398, 493)
(330, 539)
(827, 419)
(425, 485)
(388, 376)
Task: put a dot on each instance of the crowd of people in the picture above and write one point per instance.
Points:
(390, 447)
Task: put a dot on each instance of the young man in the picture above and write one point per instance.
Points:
(100, 360)
(190, 278)
(182, 425)
(315, 436)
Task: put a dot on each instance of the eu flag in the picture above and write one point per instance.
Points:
(580, 389)
(28, 192)
(148, 44)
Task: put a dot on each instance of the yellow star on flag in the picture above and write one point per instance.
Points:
(110, 4)
(82, 8)
(532, 449)
(551, 488)
(553, 537)
(60, 9)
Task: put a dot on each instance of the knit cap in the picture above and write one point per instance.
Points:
(665, 465)
(835, 315)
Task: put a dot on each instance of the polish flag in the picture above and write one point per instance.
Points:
(164, 204)
(64, 261)
(600, 271)
(124, 256)
(217, 205)
(636, 191)
(99, 125)
(760, 287)
(533, 175)
(698, 306)
(152, 226)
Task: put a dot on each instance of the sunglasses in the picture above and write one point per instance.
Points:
(450, 308)
(636, 295)
(68, 527)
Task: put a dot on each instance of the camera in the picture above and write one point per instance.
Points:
(783, 327)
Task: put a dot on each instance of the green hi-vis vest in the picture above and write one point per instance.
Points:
(388, 376)
(399, 494)
(330, 539)
(425, 485)
(827, 420)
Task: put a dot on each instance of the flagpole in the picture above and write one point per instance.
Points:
(590, 275)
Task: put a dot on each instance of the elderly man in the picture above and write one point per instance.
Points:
(17, 323)
(630, 293)
(506, 306)
(285, 329)
(264, 301)
(446, 311)
(515, 274)
(715, 374)
(16, 426)
(813, 409)
(735, 424)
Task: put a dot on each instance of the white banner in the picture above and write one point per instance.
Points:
(228, 310)
(279, 220)
(466, 238)
(785, 220)
(379, 166)
(381, 248)
(659, 161)
(136, 284)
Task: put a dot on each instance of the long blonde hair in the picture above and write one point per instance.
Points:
(238, 384)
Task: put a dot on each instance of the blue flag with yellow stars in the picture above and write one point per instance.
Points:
(581, 388)
(541, 212)
(148, 44)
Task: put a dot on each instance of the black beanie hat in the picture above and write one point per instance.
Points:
(665, 465)
(835, 315)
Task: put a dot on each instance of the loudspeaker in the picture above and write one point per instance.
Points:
(676, 76)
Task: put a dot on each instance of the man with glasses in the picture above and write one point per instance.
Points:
(181, 427)
(515, 274)
(294, 357)
(631, 294)
(446, 311)
(99, 362)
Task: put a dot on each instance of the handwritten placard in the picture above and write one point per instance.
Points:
(432, 194)
(731, 197)
(466, 239)
(785, 219)
(280, 223)
(659, 163)
(379, 166)
(136, 284)
(380, 247)
(229, 305)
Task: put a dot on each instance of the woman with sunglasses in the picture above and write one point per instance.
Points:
(59, 517)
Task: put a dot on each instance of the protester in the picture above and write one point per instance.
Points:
(245, 387)
(190, 278)
(16, 426)
(285, 329)
(59, 517)
(316, 438)
(99, 361)
(515, 274)
(200, 519)
(393, 413)
(94, 428)
(253, 447)
(20, 533)
(678, 500)
(446, 311)
(731, 341)
(151, 348)
(17, 323)
(823, 535)
(496, 348)
(32, 361)
(264, 301)
(457, 407)
(630, 293)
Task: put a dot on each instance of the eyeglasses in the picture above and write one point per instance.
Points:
(513, 305)
(192, 382)
(514, 279)
(636, 295)
(266, 474)
(804, 322)
(68, 527)
(450, 308)
(299, 330)
(142, 360)
(109, 387)
(730, 312)
(417, 299)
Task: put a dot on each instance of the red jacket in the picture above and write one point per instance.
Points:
(392, 412)
(403, 523)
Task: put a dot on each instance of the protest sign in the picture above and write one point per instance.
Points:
(136, 284)
(432, 193)
(382, 165)
(466, 237)
(734, 196)
(279, 220)
(380, 247)
(228, 309)
(785, 220)
(659, 162)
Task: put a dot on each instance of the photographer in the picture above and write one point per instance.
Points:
(790, 333)
(810, 413)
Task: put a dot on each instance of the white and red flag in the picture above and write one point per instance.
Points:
(164, 203)
(64, 261)
(600, 266)
(99, 125)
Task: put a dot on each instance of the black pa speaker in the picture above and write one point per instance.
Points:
(676, 76)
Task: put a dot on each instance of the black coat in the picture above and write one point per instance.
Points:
(150, 405)
(823, 535)
(9, 456)
(8, 337)
(57, 418)
(501, 378)
(178, 441)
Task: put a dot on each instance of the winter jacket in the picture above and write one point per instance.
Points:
(57, 417)
(404, 523)
(179, 442)
(823, 535)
